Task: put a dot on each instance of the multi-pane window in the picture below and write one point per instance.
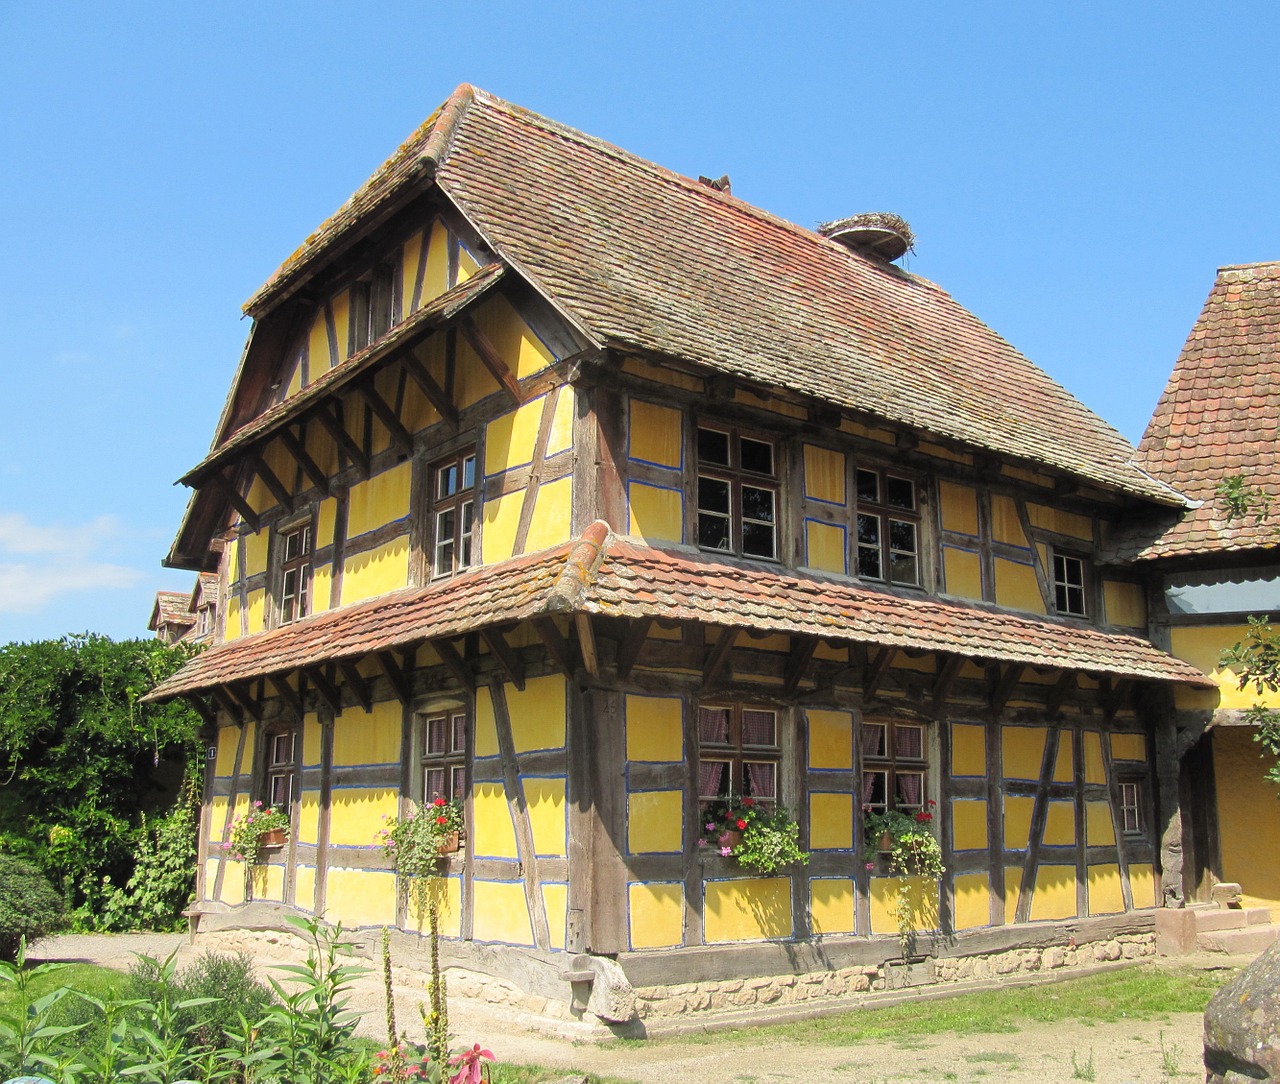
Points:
(738, 754)
(888, 528)
(894, 767)
(280, 767)
(1131, 808)
(444, 756)
(453, 508)
(295, 568)
(737, 493)
(1068, 585)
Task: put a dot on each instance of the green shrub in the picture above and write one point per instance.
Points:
(228, 978)
(29, 906)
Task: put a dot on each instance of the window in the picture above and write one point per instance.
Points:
(279, 781)
(453, 505)
(1131, 808)
(444, 756)
(737, 494)
(894, 767)
(1068, 585)
(738, 754)
(887, 528)
(295, 569)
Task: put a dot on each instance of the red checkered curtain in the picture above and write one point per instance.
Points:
(872, 739)
(760, 777)
(710, 774)
(908, 742)
(909, 789)
(713, 726)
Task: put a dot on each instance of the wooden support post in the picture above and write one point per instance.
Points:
(798, 662)
(395, 675)
(876, 671)
(309, 466)
(1004, 687)
(946, 678)
(286, 692)
(490, 358)
(457, 665)
(555, 643)
(278, 489)
(400, 436)
(421, 376)
(246, 700)
(241, 505)
(507, 659)
(719, 656)
(329, 692)
(632, 643)
(1059, 692)
(343, 439)
(587, 644)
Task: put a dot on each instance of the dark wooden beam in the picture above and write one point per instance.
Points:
(719, 655)
(946, 678)
(395, 674)
(328, 691)
(357, 683)
(277, 487)
(587, 644)
(1004, 686)
(632, 643)
(557, 646)
(286, 692)
(1059, 692)
(433, 391)
(343, 439)
(491, 359)
(798, 663)
(246, 700)
(400, 436)
(507, 659)
(228, 704)
(309, 466)
(451, 657)
(241, 505)
(876, 670)
(208, 714)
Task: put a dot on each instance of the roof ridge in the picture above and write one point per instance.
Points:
(1272, 264)
(579, 570)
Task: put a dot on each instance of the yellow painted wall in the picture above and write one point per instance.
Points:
(321, 588)
(969, 825)
(1017, 587)
(555, 905)
(962, 572)
(831, 905)
(972, 901)
(435, 277)
(319, 360)
(1093, 770)
(309, 817)
(656, 915)
(825, 547)
(256, 611)
(656, 434)
(1060, 521)
(657, 515)
(501, 913)
(1202, 646)
(231, 618)
(304, 888)
(473, 381)
(1105, 896)
(544, 798)
(551, 515)
(968, 749)
(368, 739)
(1125, 604)
(268, 883)
(447, 894)
(360, 897)
(1065, 760)
(233, 884)
(1017, 822)
(958, 507)
(654, 728)
(824, 474)
(1005, 525)
(1022, 749)
(537, 713)
(1099, 828)
(1128, 747)
(510, 437)
(228, 741)
(1055, 893)
(1060, 824)
(747, 910)
(381, 499)
(1142, 882)
(357, 814)
(655, 822)
(376, 571)
(884, 901)
(255, 553)
(1248, 817)
(830, 739)
(501, 518)
(515, 343)
(492, 833)
(830, 821)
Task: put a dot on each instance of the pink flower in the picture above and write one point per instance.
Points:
(711, 827)
(871, 865)
(726, 851)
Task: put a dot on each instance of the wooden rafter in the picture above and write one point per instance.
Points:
(396, 676)
(507, 658)
(1004, 686)
(247, 701)
(587, 644)
(432, 390)
(946, 678)
(202, 708)
(287, 693)
(555, 643)
(877, 668)
(798, 662)
(490, 358)
(1059, 692)
(719, 655)
(400, 436)
(241, 505)
(328, 691)
(229, 704)
(278, 489)
(309, 466)
(343, 439)
(632, 643)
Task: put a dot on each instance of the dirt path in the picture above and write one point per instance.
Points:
(1127, 1052)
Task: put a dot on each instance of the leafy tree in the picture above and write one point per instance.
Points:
(1257, 660)
(82, 759)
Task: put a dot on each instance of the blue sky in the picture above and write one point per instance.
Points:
(1074, 173)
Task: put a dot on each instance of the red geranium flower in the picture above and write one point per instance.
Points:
(923, 817)
(740, 824)
(442, 820)
(748, 802)
(438, 801)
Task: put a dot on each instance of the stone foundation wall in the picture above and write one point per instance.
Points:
(740, 995)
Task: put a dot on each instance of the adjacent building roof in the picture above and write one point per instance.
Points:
(640, 258)
(171, 609)
(1218, 417)
(609, 575)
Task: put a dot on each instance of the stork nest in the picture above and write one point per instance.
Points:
(872, 220)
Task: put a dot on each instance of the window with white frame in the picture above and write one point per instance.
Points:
(295, 572)
(737, 493)
(888, 528)
(1068, 585)
(739, 751)
(444, 755)
(1131, 821)
(453, 508)
(895, 766)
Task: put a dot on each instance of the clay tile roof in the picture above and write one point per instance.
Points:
(1218, 417)
(170, 609)
(642, 258)
(605, 574)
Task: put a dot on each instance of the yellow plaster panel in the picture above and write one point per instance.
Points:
(255, 553)
(939, 452)
(1099, 829)
(1248, 818)
(883, 436)
(467, 265)
(657, 915)
(768, 402)
(382, 499)
(959, 508)
(766, 641)
(561, 435)
(830, 821)
(655, 822)
(544, 798)
(1017, 822)
(1012, 890)
(924, 664)
(825, 547)
(435, 279)
(969, 825)
(309, 817)
(360, 897)
(1105, 896)
(1064, 763)
(368, 739)
(1017, 587)
(509, 438)
(341, 305)
(1202, 646)
(1022, 749)
(325, 521)
(654, 728)
(830, 739)
(1005, 524)
(922, 896)
(358, 814)
(376, 571)
(295, 381)
(824, 474)
(318, 359)
(501, 520)
(657, 434)
(962, 571)
(1128, 746)
(551, 515)
(492, 833)
(473, 381)
(830, 651)
(410, 257)
(747, 910)
(555, 904)
(321, 588)
(1060, 521)
(1060, 824)
(231, 619)
(537, 713)
(1125, 604)
(256, 611)
(657, 514)
(831, 905)
(447, 894)
(1055, 893)
(1142, 883)
(304, 888)
(501, 913)
(519, 347)
(662, 375)
(968, 749)
(486, 737)
(1093, 771)
(268, 883)
(233, 885)
(228, 741)
(972, 901)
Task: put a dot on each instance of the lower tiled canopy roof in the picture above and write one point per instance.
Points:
(608, 575)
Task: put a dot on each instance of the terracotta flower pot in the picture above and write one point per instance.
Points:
(450, 843)
(886, 841)
(730, 838)
(274, 838)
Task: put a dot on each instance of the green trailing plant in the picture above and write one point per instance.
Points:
(244, 838)
(763, 839)
(915, 859)
(416, 843)
(1238, 499)
(29, 905)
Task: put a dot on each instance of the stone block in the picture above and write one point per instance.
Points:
(1227, 894)
(1242, 1024)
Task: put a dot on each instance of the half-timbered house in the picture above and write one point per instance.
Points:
(583, 491)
